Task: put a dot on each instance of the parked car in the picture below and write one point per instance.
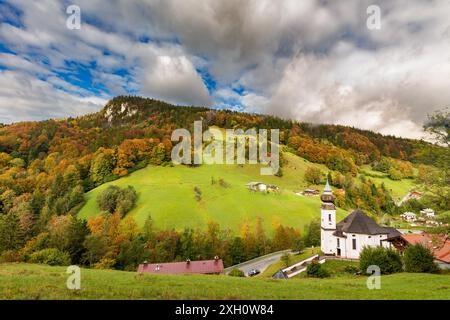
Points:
(253, 272)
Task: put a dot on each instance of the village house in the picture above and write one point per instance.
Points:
(262, 187)
(187, 267)
(257, 186)
(439, 244)
(429, 213)
(410, 195)
(409, 216)
(347, 238)
(310, 192)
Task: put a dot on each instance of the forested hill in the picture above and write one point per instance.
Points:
(135, 117)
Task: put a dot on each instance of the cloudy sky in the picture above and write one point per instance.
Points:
(314, 61)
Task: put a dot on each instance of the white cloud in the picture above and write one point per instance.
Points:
(25, 97)
(174, 79)
(312, 60)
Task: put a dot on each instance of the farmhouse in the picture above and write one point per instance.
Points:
(409, 216)
(261, 187)
(411, 195)
(257, 186)
(347, 238)
(311, 192)
(429, 213)
(188, 267)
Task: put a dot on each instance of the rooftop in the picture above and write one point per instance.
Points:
(359, 222)
(185, 267)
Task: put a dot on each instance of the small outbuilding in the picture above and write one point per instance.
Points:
(257, 186)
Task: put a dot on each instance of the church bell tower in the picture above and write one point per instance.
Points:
(328, 220)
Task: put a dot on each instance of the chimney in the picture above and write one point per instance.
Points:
(188, 261)
(216, 259)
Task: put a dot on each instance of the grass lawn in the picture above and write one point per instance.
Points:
(24, 281)
(336, 268)
(167, 194)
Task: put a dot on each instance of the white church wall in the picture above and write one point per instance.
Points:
(362, 240)
(328, 219)
(327, 241)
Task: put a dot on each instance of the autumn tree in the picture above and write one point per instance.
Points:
(314, 175)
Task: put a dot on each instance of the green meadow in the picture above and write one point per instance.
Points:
(167, 195)
(25, 281)
(398, 188)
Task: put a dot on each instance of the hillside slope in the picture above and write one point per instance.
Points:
(24, 281)
(167, 195)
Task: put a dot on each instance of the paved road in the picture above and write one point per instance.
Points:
(260, 264)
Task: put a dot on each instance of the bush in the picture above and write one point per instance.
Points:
(316, 270)
(9, 256)
(388, 260)
(105, 263)
(52, 257)
(236, 273)
(351, 269)
(419, 258)
(113, 199)
(286, 259)
(394, 174)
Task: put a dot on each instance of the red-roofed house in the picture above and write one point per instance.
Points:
(187, 267)
(438, 244)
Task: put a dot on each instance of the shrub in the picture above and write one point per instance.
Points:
(113, 199)
(351, 269)
(394, 174)
(419, 258)
(105, 263)
(236, 273)
(198, 193)
(107, 199)
(9, 256)
(51, 256)
(316, 270)
(286, 259)
(126, 200)
(223, 183)
(388, 260)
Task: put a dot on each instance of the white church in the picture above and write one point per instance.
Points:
(347, 238)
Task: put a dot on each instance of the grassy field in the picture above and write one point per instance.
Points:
(167, 194)
(398, 188)
(23, 281)
(336, 268)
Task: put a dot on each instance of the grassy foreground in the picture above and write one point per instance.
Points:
(25, 281)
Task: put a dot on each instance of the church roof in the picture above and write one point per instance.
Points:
(393, 233)
(327, 187)
(359, 222)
